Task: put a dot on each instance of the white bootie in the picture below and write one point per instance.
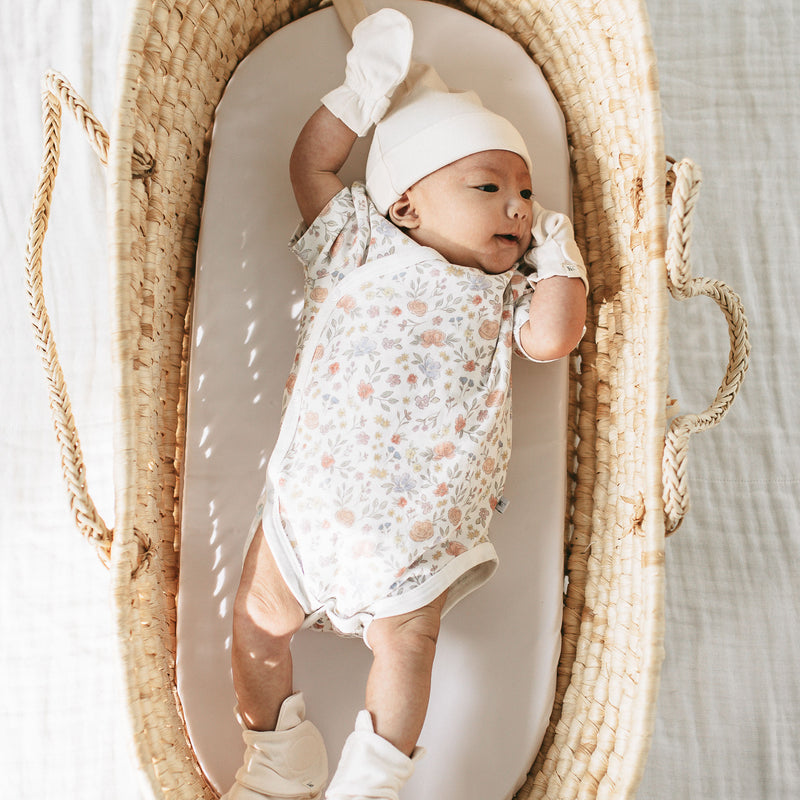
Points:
(371, 768)
(289, 763)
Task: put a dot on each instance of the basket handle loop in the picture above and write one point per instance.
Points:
(57, 93)
(350, 12)
(682, 285)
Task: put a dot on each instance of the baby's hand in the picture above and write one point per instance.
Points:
(376, 65)
(553, 250)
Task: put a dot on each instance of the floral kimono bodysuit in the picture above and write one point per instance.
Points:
(396, 427)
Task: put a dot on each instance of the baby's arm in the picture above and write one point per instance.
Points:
(319, 153)
(558, 305)
(557, 315)
(377, 64)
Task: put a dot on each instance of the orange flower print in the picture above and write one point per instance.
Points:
(333, 368)
(345, 517)
(444, 450)
(402, 502)
(495, 398)
(290, 381)
(477, 300)
(469, 366)
(396, 439)
(346, 303)
(412, 379)
(432, 338)
(454, 515)
(417, 308)
(319, 351)
(337, 244)
(327, 461)
(312, 420)
(365, 390)
(461, 423)
(397, 311)
(489, 329)
(441, 490)
(455, 549)
(319, 294)
(488, 465)
(421, 531)
(364, 549)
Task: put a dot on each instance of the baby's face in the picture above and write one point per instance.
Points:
(476, 211)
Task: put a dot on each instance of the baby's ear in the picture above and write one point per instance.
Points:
(403, 214)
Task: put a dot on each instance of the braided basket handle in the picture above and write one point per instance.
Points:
(57, 93)
(682, 286)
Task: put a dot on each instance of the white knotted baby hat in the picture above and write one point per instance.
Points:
(428, 128)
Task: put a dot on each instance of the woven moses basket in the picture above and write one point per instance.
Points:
(627, 478)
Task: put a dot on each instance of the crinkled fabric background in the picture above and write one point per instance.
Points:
(729, 707)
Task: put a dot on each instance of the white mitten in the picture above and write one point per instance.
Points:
(553, 249)
(377, 64)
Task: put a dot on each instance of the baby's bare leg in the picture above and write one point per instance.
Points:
(265, 617)
(399, 683)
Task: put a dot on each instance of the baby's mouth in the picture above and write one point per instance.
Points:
(508, 237)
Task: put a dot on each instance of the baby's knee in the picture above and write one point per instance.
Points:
(264, 604)
(261, 611)
(416, 631)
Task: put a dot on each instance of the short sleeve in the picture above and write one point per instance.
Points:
(521, 293)
(348, 232)
(339, 235)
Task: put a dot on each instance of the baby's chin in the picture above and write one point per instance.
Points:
(489, 266)
(497, 269)
(498, 265)
(491, 262)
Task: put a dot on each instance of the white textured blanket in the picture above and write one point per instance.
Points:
(729, 707)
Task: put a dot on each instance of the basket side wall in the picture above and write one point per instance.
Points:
(598, 60)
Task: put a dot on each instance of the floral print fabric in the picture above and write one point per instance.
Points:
(396, 428)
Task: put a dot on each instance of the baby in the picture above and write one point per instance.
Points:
(396, 432)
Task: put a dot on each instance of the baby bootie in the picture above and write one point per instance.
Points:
(289, 763)
(370, 766)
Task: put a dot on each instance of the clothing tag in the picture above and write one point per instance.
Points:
(502, 504)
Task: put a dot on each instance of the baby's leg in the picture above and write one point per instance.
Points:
(378, 756)
(399, 684)
(285, 755)
(265, 617)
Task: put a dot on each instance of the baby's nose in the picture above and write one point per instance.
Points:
(518, 207)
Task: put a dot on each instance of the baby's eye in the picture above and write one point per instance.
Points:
(526, 194)
(487, 187)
